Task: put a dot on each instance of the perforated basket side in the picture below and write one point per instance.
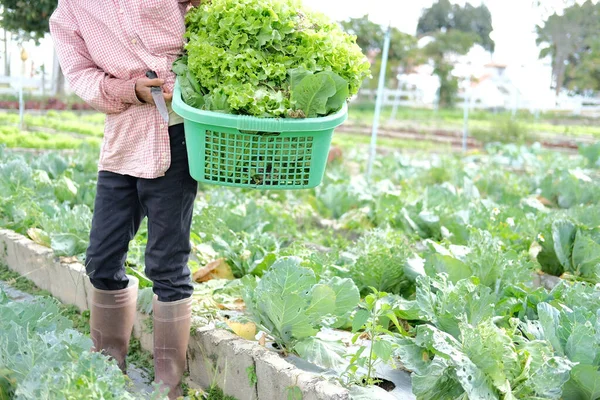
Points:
(229, 157)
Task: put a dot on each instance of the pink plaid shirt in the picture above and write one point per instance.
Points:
(104, 46)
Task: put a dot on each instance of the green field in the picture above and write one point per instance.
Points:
(425, 119)
(436, 254)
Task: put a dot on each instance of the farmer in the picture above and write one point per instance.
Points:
(105, 49)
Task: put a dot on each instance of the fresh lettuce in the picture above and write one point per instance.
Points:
(267, 58)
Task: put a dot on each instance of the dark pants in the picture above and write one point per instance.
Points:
(122, 202)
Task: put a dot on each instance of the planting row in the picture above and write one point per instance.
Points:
(432, 261)
(43, 357)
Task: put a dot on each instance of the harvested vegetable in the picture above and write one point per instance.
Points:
(267, 58)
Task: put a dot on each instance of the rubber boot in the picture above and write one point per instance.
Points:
(111, 321)
(171, 336)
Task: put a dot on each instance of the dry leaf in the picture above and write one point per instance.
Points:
(236, 305)
(263, 340)
(545, 201)
(246, 331)
(38, 236)
(218, 269)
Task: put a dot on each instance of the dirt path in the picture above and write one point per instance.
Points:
(454, 138)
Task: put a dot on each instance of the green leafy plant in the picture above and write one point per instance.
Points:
(317, 94)
(268, 58)
(294, 393)
(592, 153)
(380, 260)
(570, 250)
(252, 377)
(371, 319)
(570, 188)
(49, 359)
(291, 305)
(484, 362)
(483, 258)
(574, 334)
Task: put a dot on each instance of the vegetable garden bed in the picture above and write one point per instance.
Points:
(244, 369)
(453, 240)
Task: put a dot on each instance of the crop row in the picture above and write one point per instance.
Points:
(432, 260)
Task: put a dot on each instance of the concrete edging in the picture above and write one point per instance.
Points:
(244, 369)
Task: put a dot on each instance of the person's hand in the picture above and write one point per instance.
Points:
(143, 86)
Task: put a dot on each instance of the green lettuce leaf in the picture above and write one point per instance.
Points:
(586, 256)
(584, 383)
(324, 353)
(347, 297)
(312, 94)
(342, 92)
(563, 235)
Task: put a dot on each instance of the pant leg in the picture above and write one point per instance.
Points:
(168, 202)
(117, 217)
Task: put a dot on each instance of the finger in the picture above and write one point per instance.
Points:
(168, 96)
(148, 96)
(152, 82)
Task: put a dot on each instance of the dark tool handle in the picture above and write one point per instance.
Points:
(152, 75)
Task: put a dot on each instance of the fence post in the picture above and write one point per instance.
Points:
(21, 102)
(467, 104)
(396, 101)
(378, 101)
(43, 72)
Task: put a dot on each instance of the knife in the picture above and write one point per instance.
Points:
(158, 97)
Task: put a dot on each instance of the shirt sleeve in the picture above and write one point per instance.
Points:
(194, 3)
(104, 93)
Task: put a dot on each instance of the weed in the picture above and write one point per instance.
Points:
(214, 393)
(20, 283)
(252, 377)
(140, 357)
(81, 321)
(148, 325)
(294, 393)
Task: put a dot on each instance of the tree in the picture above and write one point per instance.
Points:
(403, 52)
(29, 20)
(454, 30)
(583, 75)
(456, 42)
(570, 40)
(444, 17)
(369, 35)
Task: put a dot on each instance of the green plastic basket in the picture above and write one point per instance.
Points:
(261, 153)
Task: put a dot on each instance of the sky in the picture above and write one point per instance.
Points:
(513, 21)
